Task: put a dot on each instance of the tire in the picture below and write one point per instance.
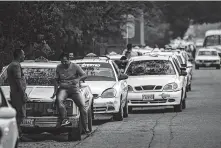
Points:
(184, 104)
(196, 67)
(16, 144)
(130, 109)
(126, 109)
(120, 115)
(179, 107)
(75, 133)
(190, 87)
(90, 119)
(218, 67)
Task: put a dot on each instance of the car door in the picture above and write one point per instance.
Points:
(8, 126)
(122, 83)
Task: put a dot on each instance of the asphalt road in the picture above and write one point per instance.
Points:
(198, 126)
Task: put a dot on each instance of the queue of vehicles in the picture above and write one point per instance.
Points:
(156, 79)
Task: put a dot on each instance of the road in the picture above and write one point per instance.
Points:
(198, 126)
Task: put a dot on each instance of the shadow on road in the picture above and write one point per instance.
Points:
(153, 111)
(58, 138)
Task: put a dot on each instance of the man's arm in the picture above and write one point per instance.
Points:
(16, 70)
(80, 72)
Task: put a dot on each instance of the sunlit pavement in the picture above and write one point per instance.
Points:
(198, 126)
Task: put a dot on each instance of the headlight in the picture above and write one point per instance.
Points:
(170, 87)
(130, 88)
(109, 93)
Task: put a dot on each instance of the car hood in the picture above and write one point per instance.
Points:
(35, 93)
(97, 87)
(207, 58)
(151, 80)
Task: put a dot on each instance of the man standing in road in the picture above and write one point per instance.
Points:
(17, 85)
(67, 79)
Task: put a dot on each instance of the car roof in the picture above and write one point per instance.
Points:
(213, 32)
(150, 57)
(92, 59)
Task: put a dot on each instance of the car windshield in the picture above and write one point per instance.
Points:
(97, 71)
(207, 53)
(150, 67)
(212, 40)
(35, 76)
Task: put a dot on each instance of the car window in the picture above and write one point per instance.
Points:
(180, 59)
(34, 76)
(208, 53)
(3, 102)
(212, 40)
(150, 67)
(116, 68)
(177, 65)
(98, 71)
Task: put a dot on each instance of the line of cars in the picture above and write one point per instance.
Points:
(156, 79)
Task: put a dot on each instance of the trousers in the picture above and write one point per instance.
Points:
(77, 97)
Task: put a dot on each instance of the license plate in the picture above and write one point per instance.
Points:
(208, 64)
(46, 124)
(148, 97)
(28, 122)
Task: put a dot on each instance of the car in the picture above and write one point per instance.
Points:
(185, 62)
(207, 58)
(41, 111)
(155, 80)
(108, 85)
(8, 124)
(178, 59)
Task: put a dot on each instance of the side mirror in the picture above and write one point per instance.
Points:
(183, 68)
(122, 77)
(183, 65)
(7, 112)
(183, 73)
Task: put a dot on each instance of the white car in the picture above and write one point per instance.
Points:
(108, 85)
(41, 111)
(8, 124)
(206, 57)
(155, 80)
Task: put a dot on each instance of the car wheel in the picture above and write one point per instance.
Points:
(130, 109)
(90, 119)
(16, 144)
(120, 115)
(196, 67)
(178, 108)
(126, 109)
(190, 87)
(74, 133)
(218, 67)
(184, 104)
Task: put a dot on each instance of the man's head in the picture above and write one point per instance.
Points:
(65, 59)
(129, 47)
(19, 55)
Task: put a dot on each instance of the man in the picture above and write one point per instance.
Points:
(67, 80)
(17, 85)
(129, 49)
